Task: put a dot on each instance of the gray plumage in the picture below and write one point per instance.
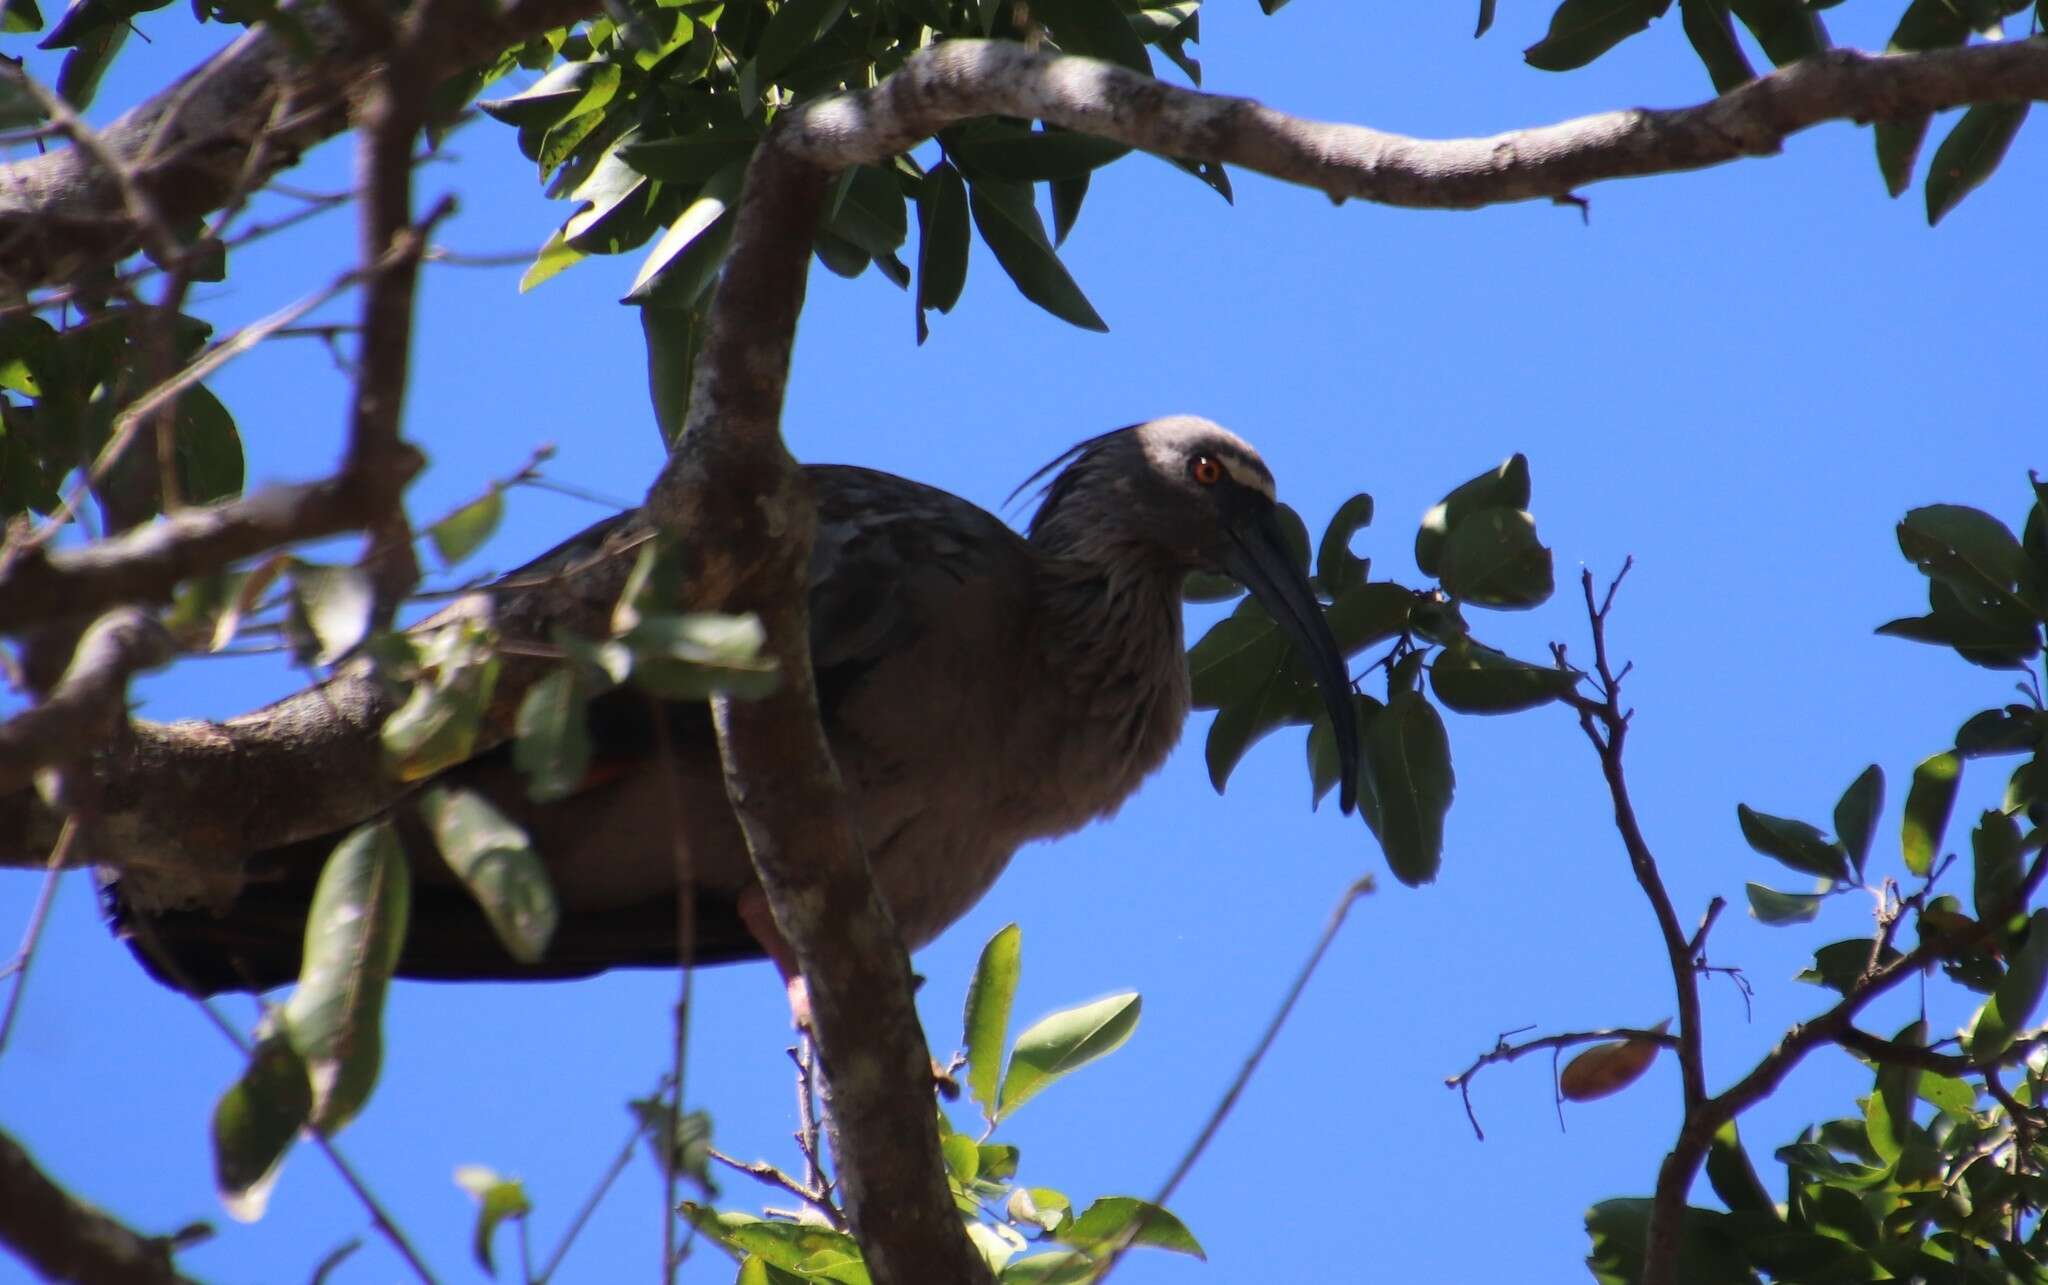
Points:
(980, 689)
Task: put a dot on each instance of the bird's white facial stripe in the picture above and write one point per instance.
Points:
(1245, 472)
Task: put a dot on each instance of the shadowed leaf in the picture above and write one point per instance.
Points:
(494, 859)
(1406, 785)
(1856, 815)
(1794, 843)
(256, 1122)
(2012, 1005)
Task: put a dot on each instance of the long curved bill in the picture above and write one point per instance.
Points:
(1259, 560)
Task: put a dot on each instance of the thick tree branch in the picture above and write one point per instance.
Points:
(744, 521)
(186, 147)
(86, 706)
(963, 79)
(62, 1238)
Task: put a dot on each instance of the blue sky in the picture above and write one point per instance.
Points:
(1741, 377)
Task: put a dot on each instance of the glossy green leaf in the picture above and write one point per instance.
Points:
(1324, 764)
(1794, 843)
(1733, 1176)
(2006, 1014)
(497, 1198)
(1337, 567)
(987, 1019)
(553, 746)
(1063, 1043)
(1492, 558)
(335, 604)
(995, 150)
(495, 860)
(1009, 223)
(1505, 487)
(795, 28)
(1787, 29)
(1998, 867)
(208, 450)
(1067, 196)
(354, 933)
(1582, 30)
(685, 261)
(1114, 1221)
(942, 241)
(78, 80)
(462, 532)
(1094, 29)
(1928, 803)
(255, 1123)
(1856, 816)
(1770, 906)
(1475, 679)
(1970, 153)
(1712, 35)
(570, 90)
(690, 159)
(1406, 785)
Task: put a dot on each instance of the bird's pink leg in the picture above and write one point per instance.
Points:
(754, 913)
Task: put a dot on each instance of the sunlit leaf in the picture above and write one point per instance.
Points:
(1063, 1043)
(1114, 1221)
(1928, 802)
(987, 1019)
(497, 1199)
(2006, 1014)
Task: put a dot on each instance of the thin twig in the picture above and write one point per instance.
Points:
(60, 857)
(762, 1171)
(1502, 1051)
(1358, 889)
(597, 1194)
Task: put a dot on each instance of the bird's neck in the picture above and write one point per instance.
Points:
(1111, 633)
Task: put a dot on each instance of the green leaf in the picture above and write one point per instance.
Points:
(685, 261)
(570, 90)
(1094, 29)
(555, 255)
(553, 746)
(497, 1198)
(1787, 29)
(691, 159)
(1475, 679)
(672, 336)
(1103, 1227)
(1016, 154)
(1927, 24)
(942, 240)
(436, 727)
(1778, 908)
(1794, 843)
(2012, 730)
(1067, 196)
(1999, 871)
(1582, 30)
(1713, 39)
(1066, 1267)
(208, 449)
(871, 215)
(1967, 157)
(810, 1252)
(335, 604)
(796, 28)
(1009, 223)
(697, 655)
(1856, 816)
(2012, 1005)
(1406, 785)
(1969, 550)
(495, 860)
(21, 15)
(1734, 1177)
(1246, 669)
(987, 1019)
(1505, 487)
(256, 1122)
(1337, 567)
(1324, 764)
(962, 1156)
(1492, 558)
(78, 80)
(1063, 1043)
(354, 933)
(1928, 803)
(463, 532)
(1840, 965)
(1898, 147)
(1707, 1250)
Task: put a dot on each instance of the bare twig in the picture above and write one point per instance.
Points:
(1502, 1051)
(762, 1171)
(597, 1194)
(60, 856)
(1358, 889)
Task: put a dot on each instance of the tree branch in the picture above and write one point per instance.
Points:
(185, 148)
(87, 704)
(62, 1238)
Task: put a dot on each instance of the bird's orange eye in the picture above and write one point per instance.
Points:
(1206, 470)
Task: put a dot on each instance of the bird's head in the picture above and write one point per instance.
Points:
(1189, 494)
